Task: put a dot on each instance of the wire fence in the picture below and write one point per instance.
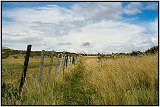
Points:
(45, 68)
(40, 67)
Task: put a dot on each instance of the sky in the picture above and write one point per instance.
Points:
(80, 27)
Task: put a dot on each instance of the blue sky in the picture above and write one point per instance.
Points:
(148, 15)
(11, 5)
(69, 24)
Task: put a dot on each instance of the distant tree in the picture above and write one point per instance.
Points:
(100, 56)
(134, 53)
(15, 57)
(152, 50)
(5, 55)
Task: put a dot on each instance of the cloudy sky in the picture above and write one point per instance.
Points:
(86, 27)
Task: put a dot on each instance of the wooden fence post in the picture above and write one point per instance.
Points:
(50, 68)
(25, 67)
(61, 61)
(70, 59)
(40, 69)
(57, 62)
(73, 60)
(63, 65)
(66, 59)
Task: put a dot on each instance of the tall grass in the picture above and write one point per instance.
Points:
(123, 81)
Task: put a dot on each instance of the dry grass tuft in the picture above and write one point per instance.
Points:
(125, 81)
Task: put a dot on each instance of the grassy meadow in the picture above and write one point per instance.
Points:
(128, 80)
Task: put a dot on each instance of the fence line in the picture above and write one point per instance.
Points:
(70, 59)
(40, 70)
(66, 60)
(50, 68)
(25, 67)
(56, 68)
(73, 60)
(61, 63)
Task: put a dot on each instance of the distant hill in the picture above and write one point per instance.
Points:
(4, 47)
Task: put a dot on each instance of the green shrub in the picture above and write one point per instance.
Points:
(9, 94)
(5, 55)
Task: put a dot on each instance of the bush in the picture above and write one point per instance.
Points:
(135, 53)
(152, 50)
(5, 55)
(101, 56)
(15, 57)
(9, 93)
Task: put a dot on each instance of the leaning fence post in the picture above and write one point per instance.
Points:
(66, 59)
(61, 61)
(70, 59)
(63, 65)
(57, 62)
(50, 68)
(25, 68)
(40, 69)
(73, 60)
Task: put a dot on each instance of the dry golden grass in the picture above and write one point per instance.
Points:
(129, 80)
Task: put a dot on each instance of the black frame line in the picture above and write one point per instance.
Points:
(79, 1)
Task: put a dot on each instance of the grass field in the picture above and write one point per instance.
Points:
(130, 80)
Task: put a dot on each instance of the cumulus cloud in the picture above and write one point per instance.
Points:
(99, 11)
(137, 7)
(109, 34)
(84, 27)
(151, 6)
(133, 8)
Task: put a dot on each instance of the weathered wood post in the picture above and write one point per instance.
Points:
(76, 59)
(66, 59)
(25, 67)
(50, 68)
(63, 65)
(70, 59)
(61, 61)
(57, 62)
(73, 60)
(40, 69)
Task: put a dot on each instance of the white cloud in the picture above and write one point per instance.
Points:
(96, 25)
(137, 7)
(99, 11)
(154, 26)
(151, 6)
(110, 35)
(133, 8)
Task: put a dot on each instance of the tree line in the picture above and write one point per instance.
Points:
(9, 52)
